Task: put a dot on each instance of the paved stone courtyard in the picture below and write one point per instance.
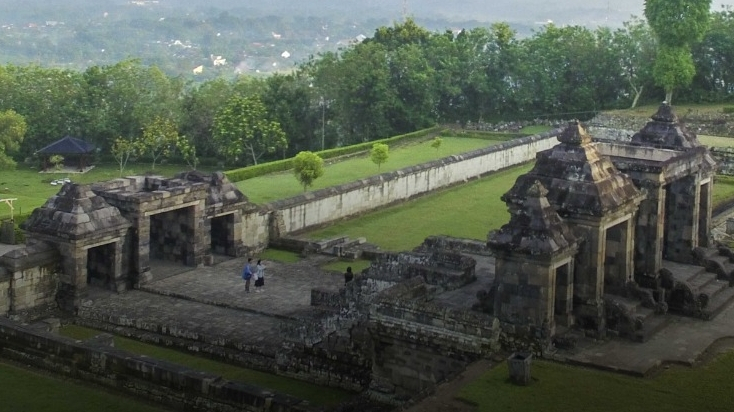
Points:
(211, 301)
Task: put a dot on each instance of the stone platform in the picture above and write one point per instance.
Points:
(209, 304)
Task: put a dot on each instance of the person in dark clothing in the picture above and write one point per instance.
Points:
(348, 275)
(247, 274)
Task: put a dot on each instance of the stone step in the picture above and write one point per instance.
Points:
(651, 322)
(718, 303)
(702, 280)
(651, 325)
(682, 272)
(722, 266)
(713, 288)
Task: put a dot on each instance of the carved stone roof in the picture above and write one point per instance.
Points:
(665, 131)
(75, 212)
(535, 228)
(579, 179)
(221, 191)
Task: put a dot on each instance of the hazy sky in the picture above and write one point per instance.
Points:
(582, 12)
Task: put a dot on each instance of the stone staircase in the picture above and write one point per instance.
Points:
(717, 260)
(632, 318)
(695, 290)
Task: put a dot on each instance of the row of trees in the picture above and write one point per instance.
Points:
(401, 79)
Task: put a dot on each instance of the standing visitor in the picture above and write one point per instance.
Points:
(348, 275)
(259, 276)
(247, 274)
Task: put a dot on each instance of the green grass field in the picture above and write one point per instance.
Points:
(277, 186)
(469, 211)
(563, 388)
(716, 141)
(27, 390)
(32, 188)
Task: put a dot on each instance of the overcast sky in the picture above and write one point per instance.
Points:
(581, 12)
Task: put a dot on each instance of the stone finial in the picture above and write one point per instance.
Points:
(536, 190)
(665, 114)
(574, 134)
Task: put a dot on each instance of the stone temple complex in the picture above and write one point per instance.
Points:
(597, 226)
(608, 239)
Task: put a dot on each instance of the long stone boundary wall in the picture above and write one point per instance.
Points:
(317, 208)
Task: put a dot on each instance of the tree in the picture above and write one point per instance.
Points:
(242, 127)
(436, 143)
(188, 151)
(122, 149)
(159, 137)
(12, 132)
(677, 24)
(379, 154)
(307, 166)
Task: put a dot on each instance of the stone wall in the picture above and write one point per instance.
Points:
(96, 360)
(323, 206)
(29, 281)
(418, 344)
(724, 159)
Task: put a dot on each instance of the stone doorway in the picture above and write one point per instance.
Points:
(101, 266)
(222, 235)
(563, 295)
(171, 235)
(617, 251)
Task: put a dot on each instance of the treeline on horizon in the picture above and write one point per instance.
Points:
(401, 79)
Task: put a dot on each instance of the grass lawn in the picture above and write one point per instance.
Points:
(563, 388)
(469, 211)
(315, 394)
(341, 265)
(283, 256)
(27, 390)
(264, 189)
(32, 189)
(716, 141)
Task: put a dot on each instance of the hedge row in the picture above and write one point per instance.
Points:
(237, 175)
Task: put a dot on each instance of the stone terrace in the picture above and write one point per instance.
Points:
(209, 305)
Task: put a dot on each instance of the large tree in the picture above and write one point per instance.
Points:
(677, 24)
(243, 127)
(12, 131)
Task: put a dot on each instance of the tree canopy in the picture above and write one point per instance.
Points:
(402, 79)
(12, 131)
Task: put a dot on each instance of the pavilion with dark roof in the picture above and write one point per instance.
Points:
(76, 152)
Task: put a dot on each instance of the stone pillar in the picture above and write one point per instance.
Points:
(649, 230)
(705, 211)
(628, 251)
(141, 260)
(199, 242)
